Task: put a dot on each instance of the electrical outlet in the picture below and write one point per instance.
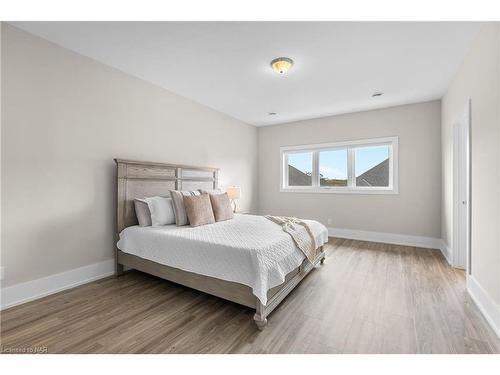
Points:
(329, 221)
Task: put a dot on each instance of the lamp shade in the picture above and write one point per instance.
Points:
(233, 192)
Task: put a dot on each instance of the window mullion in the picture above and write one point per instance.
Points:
(285, 169)
(391, 167)
(315, 169)
(351, 179)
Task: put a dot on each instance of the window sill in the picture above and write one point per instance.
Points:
(341, 190)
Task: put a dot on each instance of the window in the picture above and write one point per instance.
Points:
(333, 168)
(372, 166)
(362, 166)
(300, 169)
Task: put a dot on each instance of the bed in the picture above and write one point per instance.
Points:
(248, 260)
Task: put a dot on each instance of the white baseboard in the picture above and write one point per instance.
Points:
(487, 306)
(28, 291)
(446, 251)
(394, 238)
(391, 238)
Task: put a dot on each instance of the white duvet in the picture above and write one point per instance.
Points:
(248, 249)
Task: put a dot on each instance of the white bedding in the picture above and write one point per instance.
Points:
(248, 249)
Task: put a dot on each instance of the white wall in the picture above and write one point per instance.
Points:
(415, 211)
(65, 117)
(477, 79)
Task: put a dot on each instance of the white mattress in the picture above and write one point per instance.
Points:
(248, 249)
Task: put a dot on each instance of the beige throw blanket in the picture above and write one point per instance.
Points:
(300, 232)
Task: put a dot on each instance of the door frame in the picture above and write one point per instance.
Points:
(461, 150)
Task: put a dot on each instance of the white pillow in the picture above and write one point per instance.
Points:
(162, 211)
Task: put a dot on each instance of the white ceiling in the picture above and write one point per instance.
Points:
(225, 65)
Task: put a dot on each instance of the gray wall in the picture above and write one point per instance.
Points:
(478, 80)
(416, 210)
(65, 117)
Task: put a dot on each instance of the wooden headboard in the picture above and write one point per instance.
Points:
(139, 179)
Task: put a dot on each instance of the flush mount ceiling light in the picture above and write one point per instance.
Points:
(281, 65)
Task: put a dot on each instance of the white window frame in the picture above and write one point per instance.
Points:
(351, 147)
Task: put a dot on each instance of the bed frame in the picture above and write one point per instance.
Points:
(137, 179)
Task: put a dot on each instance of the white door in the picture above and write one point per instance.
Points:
(461, 191)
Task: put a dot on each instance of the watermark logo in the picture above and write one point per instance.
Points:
(24, 349)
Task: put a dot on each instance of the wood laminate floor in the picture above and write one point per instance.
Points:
(366, 298)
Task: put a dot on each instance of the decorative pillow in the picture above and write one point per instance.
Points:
(211, 191)
(221, 207)
(178, 203)
(199, 210)
(142, 212)
(162, 212)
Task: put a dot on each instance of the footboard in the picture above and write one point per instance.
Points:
(262, 311)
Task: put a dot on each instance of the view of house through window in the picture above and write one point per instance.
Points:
(372, 166)
(361, 165)
(300, 169)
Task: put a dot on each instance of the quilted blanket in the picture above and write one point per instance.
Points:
(300, 233)
(248, 249)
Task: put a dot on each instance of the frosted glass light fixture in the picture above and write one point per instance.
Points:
(281, 65)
